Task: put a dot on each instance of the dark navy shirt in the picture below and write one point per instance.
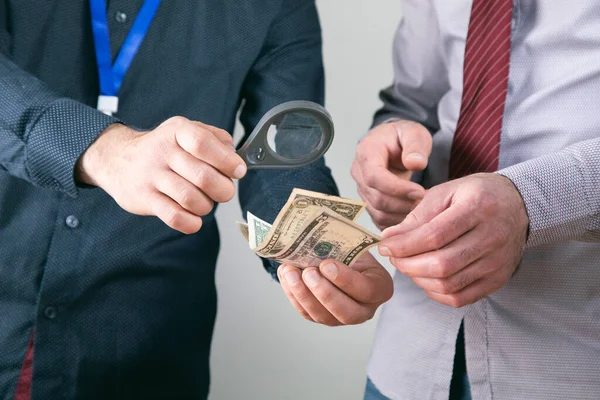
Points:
(122, 306)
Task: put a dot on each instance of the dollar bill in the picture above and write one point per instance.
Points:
(257, 230)
(327, 235)
(243, 228)
(299, 210)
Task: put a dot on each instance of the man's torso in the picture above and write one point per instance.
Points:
(123, 306)
(537, 337)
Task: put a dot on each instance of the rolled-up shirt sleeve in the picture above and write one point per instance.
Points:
(561, 192)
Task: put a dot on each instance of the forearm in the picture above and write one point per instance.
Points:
(561, 192)
(289, 68)
(41, 134)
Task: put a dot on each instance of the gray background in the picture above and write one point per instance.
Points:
(262, 349)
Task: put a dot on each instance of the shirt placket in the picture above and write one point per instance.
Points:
(53, 347)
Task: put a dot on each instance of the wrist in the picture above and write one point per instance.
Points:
(521, 209)
(90, 166)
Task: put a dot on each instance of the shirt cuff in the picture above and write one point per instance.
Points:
(62, 133)
(551, 187)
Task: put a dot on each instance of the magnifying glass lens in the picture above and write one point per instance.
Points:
(290, 135)
(294, 135)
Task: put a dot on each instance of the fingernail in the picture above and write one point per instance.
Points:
(330, 270)
(417, 156)
(384, 251)
(312, 277)
(240, 171)
(416, 195)
(292, 277)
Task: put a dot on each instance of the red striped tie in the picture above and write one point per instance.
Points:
(476, 145)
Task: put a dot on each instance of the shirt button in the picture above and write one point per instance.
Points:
(50, 312)
(72, 221)
(121, 17)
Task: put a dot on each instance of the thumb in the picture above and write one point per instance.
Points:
(367, 282)
(415, 141)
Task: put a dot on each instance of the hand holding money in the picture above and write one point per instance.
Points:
(335, 294)
(318, 233)
(310, 228)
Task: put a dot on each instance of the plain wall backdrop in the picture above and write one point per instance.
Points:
(262, 349)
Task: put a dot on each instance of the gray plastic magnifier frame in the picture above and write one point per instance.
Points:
(257, 153)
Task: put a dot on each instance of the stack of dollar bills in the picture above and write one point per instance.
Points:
(310, 228)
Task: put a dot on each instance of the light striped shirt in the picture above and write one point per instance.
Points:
(539, 336)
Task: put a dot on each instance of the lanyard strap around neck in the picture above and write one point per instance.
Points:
(111, 75)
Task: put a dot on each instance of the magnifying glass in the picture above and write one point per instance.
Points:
(291, 135)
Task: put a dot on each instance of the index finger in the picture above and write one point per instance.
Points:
(383, 180)
(221, 134)
(443, 229)
(203, 144)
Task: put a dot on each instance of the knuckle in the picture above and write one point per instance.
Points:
(361, 148)
(194, 144)
(322, 320)
(200, 179)
(376, 216)
(381, 223)
(370, 179)
(353, 171)
(305, 315)
(205, 207)
(352, 319)
(200, 139)
(228, 157)
(486, 202)
(378, 201)
(500, 233)
(185, 197)
(454, 300)
(225, 134)
(436, 267)
(412, 218)
(301, 295)
(177, 121)
(327, 297)
(173, 217)
(468, 253)
(382, 219)
(437, 238)
(228, 191)
(443, 286)
(464, 280)
(386, 294)
(221, 190)
(371, 295)
(444, 267)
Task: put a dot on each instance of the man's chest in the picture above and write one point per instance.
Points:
(191, 53)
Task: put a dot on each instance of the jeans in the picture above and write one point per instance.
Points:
(372, 393)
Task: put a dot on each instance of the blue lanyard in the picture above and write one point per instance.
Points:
(111, 76)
